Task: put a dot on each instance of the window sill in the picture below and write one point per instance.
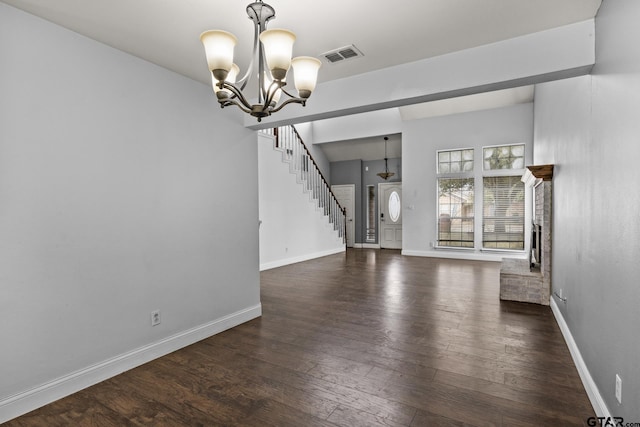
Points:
(517, 253)
(453, 248)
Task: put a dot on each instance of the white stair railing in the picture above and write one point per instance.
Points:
(304, 167)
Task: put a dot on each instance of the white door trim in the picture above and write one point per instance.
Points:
(382, 200)
(351, 219)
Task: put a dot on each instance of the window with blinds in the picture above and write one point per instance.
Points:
(456, 212)
(503, 213)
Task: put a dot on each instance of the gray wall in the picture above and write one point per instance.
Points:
(115, 200)
(354, 172)
(589, 128)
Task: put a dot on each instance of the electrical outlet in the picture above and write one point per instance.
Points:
(155, 317)
(618, 388)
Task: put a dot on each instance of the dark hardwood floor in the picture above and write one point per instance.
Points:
(364, 338)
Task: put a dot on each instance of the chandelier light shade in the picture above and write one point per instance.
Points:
(272, 52)
(305, 70)
(218, 46)
(278, 48)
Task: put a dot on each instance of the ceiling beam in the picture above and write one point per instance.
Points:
(554, 54)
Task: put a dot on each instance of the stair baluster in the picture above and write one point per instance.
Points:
(304, 167)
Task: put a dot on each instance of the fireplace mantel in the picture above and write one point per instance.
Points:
(533, 175)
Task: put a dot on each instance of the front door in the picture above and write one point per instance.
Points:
(346, 195)
(390, 215)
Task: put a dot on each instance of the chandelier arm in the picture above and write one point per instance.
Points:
(266, 13)
(262, 91)
(288, 94)
(256, 43)
(289, 101)
(271, 93)
(245, 79)
(237, 94)
(228, 101)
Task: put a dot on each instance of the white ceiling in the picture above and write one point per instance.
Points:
(166, 32)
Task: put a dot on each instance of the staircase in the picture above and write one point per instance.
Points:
(304, 167)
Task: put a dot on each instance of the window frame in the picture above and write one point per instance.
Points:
(456, 175)
(461, 150)
(508, 171)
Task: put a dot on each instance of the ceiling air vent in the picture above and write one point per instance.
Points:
(342, 54)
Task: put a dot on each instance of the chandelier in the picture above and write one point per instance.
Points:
(272, 51)
(386, 174)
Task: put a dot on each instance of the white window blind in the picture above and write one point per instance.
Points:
(503, 213)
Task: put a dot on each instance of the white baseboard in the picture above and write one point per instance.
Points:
(458, 254)
(599, 406)
(27, 401)
(366, 245)
(300, 258)
(371, 246)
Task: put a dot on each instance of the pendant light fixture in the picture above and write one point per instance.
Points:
(386, 174)
(272, 51)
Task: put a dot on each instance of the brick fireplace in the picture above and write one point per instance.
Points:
(529, 280)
